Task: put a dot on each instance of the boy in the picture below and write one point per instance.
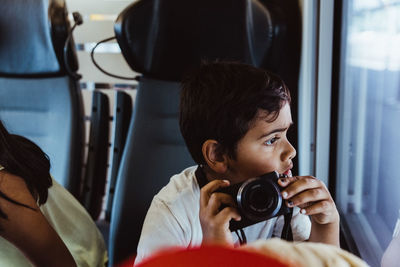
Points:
(234, 119)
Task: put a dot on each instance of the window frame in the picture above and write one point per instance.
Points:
(361, 240)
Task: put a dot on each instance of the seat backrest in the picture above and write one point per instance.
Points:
(122, 118)
(163, 40)
(94, 180)
(37, 98)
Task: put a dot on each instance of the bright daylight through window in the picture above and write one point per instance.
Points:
(368, 190)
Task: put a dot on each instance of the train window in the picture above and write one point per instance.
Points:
(368, 186)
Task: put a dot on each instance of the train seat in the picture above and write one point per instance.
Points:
(163, 40)
(38, 98)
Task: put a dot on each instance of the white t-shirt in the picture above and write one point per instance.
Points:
(72, 223)
(173, 219)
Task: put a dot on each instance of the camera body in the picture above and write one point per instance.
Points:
(258, 199)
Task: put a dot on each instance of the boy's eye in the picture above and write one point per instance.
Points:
(271, 141)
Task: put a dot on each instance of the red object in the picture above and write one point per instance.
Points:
(210, 256)
(126, 263)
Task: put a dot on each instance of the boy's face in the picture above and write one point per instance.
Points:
(264, 148)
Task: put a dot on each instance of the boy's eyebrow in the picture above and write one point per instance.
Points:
(278, 130)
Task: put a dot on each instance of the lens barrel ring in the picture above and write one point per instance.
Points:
(259, 198)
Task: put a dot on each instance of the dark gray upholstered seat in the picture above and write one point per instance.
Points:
(163, 40)
(37, 98)
(122, 117)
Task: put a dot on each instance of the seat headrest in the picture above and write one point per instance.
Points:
(163, 39)
(32, 36)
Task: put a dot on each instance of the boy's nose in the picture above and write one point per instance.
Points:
(289, 152)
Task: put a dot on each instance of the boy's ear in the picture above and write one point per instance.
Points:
(214, 157)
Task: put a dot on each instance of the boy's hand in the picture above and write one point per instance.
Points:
(215, 222)
(313, 198)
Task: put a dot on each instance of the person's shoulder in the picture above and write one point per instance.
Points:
(17, 204)
(15, 188)
(185, 179)
(183, 184)
(60, 201)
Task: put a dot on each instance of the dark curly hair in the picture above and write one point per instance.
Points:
(220, 101)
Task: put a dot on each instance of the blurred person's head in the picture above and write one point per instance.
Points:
(23, 158)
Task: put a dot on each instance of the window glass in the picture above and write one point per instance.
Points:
(368, 188)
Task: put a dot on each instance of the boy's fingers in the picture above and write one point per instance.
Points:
(285, 181)
(308, 196)
(322, 208)
(229, 213)
(208, 189)
(302, 183)
(217, 200)
(289, 180)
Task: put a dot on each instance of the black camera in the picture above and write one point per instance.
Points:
(258, 199)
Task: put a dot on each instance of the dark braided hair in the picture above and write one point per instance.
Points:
(23, 158)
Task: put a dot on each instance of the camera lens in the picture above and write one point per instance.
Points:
(259, 199)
